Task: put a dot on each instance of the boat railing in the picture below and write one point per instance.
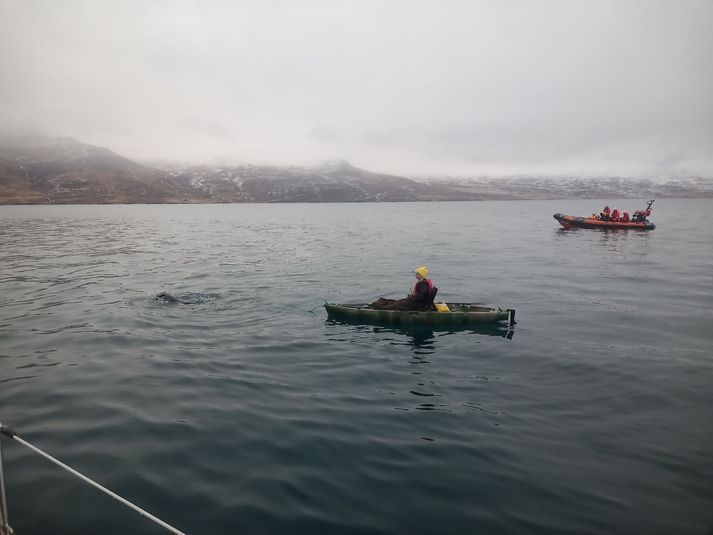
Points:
(5, 528)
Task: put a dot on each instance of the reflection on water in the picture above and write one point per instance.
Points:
(635, 242)
(606, 233)
(423, 382)
(421, 340)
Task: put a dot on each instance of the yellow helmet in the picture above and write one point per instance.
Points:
(423, 271)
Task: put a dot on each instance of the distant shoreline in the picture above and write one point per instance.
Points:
(193, 203)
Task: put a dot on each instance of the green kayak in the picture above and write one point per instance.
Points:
(459, 314)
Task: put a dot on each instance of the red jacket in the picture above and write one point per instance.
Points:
(421, 291)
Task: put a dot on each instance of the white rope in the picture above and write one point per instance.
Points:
(5, 528)
(97, 485)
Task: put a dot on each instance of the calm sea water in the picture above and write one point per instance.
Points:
(245, 411)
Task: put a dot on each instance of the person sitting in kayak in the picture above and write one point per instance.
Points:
(605, 215)
(615, 215)
(421, 298)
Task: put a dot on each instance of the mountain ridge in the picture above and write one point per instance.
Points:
(35, 170)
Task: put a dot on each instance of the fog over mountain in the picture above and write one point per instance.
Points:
(41, 170)
(465, 88)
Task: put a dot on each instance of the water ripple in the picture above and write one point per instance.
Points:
(243, 409)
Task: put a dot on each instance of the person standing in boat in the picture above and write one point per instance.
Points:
(641, 215)
(421, 298)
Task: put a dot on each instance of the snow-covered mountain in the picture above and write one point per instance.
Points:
(599, 187)
(48, 170)
(340, 182)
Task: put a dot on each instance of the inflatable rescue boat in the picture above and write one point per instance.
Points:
(609, 220)
(570, 221)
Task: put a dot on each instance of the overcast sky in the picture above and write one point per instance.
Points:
(412, 87)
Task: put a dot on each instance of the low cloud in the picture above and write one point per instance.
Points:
(405, 87)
